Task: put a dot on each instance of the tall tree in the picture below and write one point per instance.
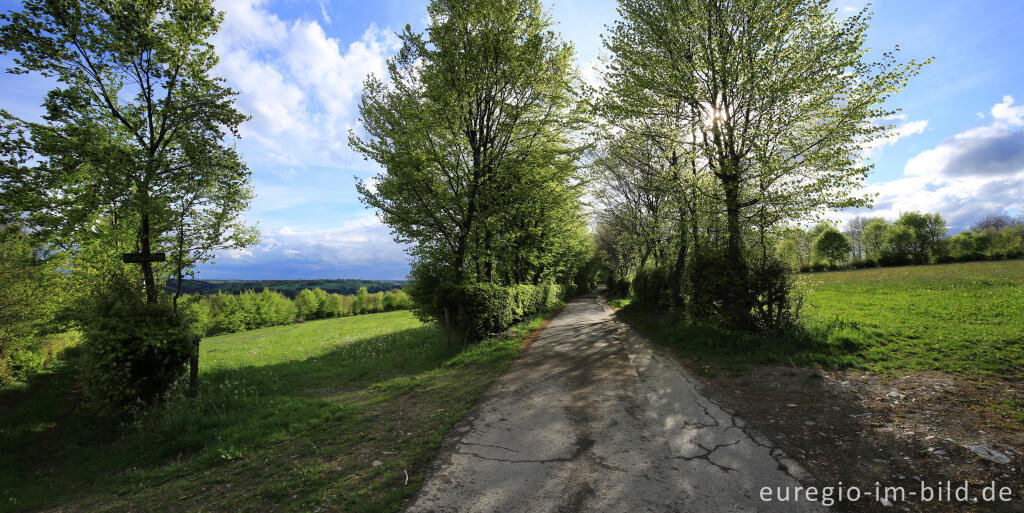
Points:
(136, 116)
(481, 100)
(780, 95)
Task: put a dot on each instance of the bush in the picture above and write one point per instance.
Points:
(23, 362)
(832, 246)
(307, 304)
(863, 264)
(226, 315)
(706, 281)
(31, 291)
(133, 351)
(776, 305)
(650, 287)
(488, 308)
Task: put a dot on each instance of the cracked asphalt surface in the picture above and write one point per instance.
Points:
(592, 417)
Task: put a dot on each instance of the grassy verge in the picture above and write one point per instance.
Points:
(966, 319)
(339, 414)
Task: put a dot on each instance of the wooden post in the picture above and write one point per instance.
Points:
(193, 361)
(141, 258)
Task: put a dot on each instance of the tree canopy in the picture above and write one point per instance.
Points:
(474, 130)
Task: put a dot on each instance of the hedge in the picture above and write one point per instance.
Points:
(489, 308)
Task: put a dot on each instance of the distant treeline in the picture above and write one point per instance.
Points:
(289, 288)
(229, 313)
(913, 238)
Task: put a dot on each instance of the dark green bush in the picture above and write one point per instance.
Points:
(651, 287)
(488, 308)
(706, 283)
(776, 306)
(133, 351)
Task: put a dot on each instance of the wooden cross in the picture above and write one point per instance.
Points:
(141, 258)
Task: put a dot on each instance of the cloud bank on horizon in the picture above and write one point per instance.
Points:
(958, 146)
(966, 176)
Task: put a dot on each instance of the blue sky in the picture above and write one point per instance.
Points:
(299, 66)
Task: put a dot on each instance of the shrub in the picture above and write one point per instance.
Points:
(898, 246)
(832, 246)
(705, 281)
(307, 304)
(275, 309)
(24, 361)
(226, 315)
(30, 295)
(488, 308)
(195, 311)
(321, 297)
(133, 351)
(650, 286)
(776, 305)
(334, 305)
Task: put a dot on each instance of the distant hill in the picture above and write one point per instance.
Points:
(287, 287)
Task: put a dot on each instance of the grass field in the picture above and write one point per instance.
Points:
(962, 318)
(339, 414)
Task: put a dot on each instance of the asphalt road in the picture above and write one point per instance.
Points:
(592, 417)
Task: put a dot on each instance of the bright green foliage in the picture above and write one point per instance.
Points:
(492, 309)
(360, 302)
(132, 144)
(229, 313)
(31, 291)
(991, 243)
(898, 245)
(873, 238)
(832, 246)
(473, 132)
(770, 101)
(788, 251)
(929, 234)
(284, 420)
(307, 304)
(134, 350)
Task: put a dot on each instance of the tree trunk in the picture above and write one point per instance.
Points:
(490, 257)
(147, 267)
(736, 307)
(675, 277)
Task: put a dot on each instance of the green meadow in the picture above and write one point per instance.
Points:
(965, 318)
(340, 414)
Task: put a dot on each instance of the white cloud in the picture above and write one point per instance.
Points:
(592, 72)
(299, 85)
(993, 150)
(976, 172)
(1007, 113)
(363, 243)
(247, 24)
(323, 12)
(901, 128)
